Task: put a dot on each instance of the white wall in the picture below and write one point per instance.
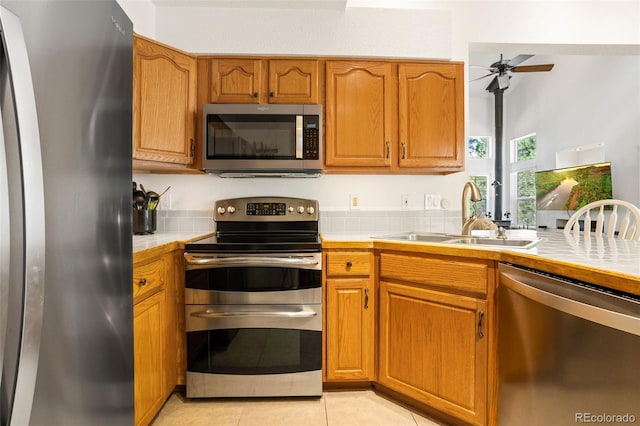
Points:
(444, 30)
(143, 15)
(584, 100)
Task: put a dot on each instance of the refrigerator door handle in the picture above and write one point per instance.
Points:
(15, 52)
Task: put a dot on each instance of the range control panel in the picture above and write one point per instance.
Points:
(266, 209)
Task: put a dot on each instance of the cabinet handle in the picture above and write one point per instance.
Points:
(388, 145)
(349, 264)
(255, 94)
(193, 147)
(480, 317)
(404, 150)
(272, 95)
(142, 282)
(366, 298)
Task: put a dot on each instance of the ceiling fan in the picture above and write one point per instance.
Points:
(501, 70)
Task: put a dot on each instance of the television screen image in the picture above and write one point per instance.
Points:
(573, 187)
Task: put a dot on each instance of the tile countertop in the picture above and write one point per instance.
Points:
(144, 242)
(603, 261)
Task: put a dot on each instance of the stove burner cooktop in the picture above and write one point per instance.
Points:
(262, 224)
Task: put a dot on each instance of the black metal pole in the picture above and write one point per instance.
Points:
(498, 111)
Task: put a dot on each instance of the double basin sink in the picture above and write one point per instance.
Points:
(419, 237)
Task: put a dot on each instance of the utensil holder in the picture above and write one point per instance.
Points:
(144, 222)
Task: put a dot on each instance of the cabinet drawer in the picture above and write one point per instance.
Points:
(450, 273)
(148, 278)
(348, 263)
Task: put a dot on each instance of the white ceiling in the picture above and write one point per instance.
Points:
(258, 4)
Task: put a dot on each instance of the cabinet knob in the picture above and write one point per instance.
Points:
(142, 282)
(271, 94)
(349, 264)
(255, 94)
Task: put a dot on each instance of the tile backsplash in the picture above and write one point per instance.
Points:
(390, 221)
(185, 221)
(348, 221)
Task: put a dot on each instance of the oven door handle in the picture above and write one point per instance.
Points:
(304, 313)
(198, 261)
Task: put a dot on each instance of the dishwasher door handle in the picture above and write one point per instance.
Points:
(514, 279)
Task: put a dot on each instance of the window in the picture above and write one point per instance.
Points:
(482, 184)
(478, 147)
(522, 167)
(481, 168)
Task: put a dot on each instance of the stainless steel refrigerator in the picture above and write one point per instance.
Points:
(66, 320)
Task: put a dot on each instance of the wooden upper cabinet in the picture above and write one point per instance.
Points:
(164, 106)
(361, 108)
(239, 80)
(236, 80)
(293, 81)
(431, 116)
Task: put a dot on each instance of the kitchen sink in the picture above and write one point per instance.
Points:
(418, 237)
(495, 242)
(459, 239)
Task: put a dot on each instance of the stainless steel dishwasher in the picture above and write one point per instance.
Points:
(569, 352)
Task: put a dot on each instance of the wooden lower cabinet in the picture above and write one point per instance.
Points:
(350, 316)
(433, 338)
(158, 331)
(431, 350)
(148, 359)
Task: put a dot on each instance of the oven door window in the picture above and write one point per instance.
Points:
(253, 279)
(254, 351)
(259, 136)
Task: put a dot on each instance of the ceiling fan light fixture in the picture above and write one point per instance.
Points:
(503, 81)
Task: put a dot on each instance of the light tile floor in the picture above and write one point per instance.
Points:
(335, 408)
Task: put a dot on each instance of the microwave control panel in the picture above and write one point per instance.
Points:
(311, 144)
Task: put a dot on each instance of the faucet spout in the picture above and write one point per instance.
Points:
(472, 190)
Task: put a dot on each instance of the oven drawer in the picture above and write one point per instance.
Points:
(348, 263)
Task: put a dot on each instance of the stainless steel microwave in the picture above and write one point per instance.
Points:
(262, 140)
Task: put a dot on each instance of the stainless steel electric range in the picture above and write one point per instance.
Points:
(253, 301)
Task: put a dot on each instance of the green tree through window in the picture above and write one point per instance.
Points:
(523, 155)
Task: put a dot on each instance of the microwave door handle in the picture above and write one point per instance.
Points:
(24, 101)
(299, 136)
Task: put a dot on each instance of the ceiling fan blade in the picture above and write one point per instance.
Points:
(484, 76)
(518, 59)
(480, 67)
(498, 82)
(533, 68)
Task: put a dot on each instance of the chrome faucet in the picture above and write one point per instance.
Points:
(467, 222)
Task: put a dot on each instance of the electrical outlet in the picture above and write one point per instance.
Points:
(432, 201)
(354, 202)
(404, 201)
(165, 201)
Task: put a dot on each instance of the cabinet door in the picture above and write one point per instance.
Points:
(361, 114)
(350, 322)
(237, 81)
(433, 349)
(148, 358)
(164, 103)
(294, 81)
(431, 116)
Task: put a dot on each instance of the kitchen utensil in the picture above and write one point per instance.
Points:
(139, 200)
(152, 200)
(163, 192)
(143, 190)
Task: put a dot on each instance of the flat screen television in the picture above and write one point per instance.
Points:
(573, 187)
